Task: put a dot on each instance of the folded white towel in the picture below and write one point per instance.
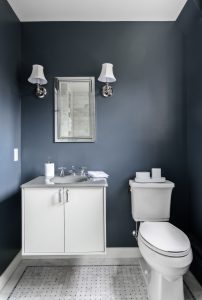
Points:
(98, 179)
(98, 174)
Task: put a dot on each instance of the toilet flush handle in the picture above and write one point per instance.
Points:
(135, 232)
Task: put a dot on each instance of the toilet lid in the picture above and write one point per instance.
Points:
(164, 236)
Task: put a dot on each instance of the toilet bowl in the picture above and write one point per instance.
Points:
(167, 251)
(164, 247)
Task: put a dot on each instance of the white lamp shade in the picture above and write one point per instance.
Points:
(107, 73)
(37, 75)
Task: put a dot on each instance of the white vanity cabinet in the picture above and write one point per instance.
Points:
(63, 220)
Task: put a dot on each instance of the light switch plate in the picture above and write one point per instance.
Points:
(15, 154)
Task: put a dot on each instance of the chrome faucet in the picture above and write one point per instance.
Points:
(72, 171)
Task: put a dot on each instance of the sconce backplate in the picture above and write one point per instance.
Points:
(107, 91)
(41, 91)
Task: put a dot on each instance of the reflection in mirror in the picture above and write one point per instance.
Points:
(74, 109)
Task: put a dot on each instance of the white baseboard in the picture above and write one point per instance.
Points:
(10, 269)
(112, 252)
(129, 252)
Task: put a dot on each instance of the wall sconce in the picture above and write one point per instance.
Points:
(107, 76)
(37, 77)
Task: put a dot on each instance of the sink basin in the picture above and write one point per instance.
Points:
(69, 179)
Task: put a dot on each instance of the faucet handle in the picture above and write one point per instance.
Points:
(83, 171)
(62, 171)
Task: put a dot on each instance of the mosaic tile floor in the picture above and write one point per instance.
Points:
(82, 283)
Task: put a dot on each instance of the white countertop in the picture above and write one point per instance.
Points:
(42, 182)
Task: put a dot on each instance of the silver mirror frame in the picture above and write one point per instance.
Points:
(92, 138)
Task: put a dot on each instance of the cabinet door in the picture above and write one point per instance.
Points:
(43, 220)
(84, 220)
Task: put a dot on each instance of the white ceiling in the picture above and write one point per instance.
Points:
(97, 10)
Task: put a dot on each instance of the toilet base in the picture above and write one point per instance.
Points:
(158, 287)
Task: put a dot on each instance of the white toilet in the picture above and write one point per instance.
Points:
(164, 247)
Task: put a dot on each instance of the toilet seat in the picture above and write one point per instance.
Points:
(164, 238)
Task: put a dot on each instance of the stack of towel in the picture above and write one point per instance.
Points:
(98, 174)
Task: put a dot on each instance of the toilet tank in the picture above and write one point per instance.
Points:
(151, 201)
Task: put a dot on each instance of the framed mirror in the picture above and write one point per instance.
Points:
(74, 109)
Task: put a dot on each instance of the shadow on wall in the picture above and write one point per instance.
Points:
(10, 229)
(190, 21)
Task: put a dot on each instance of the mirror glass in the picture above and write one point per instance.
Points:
(74, 109)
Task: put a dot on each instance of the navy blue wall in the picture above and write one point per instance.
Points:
(146, 124)
(141, 127)
(191, 24)
(10, 106)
